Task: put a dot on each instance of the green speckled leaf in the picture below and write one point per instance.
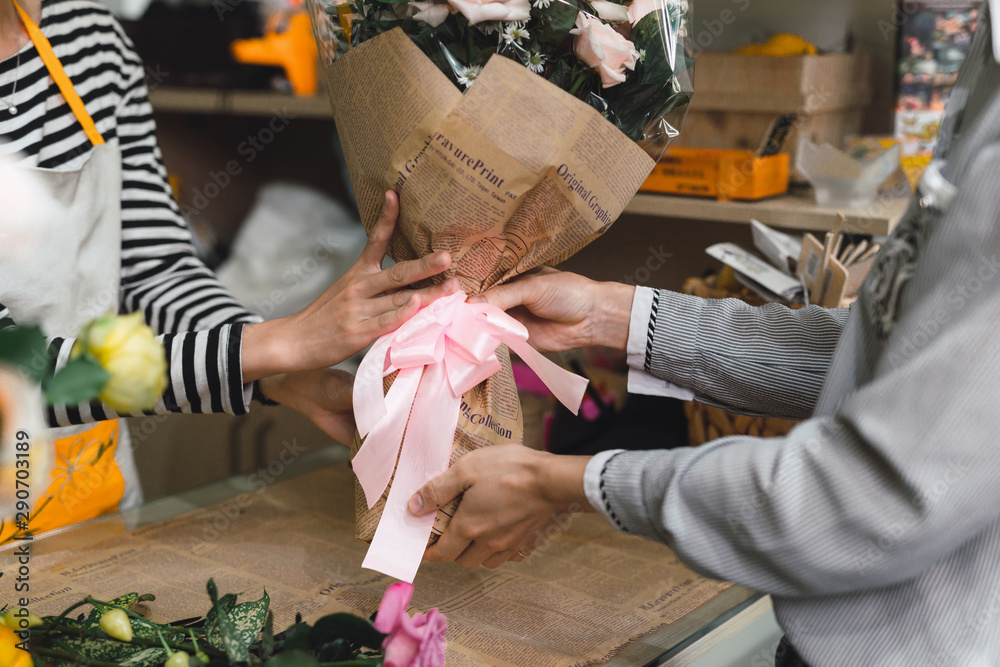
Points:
(231, 640)
(249, 618)
(150, 657)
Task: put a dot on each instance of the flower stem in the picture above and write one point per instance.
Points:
(580, 78)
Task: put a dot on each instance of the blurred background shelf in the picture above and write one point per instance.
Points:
(171, 99)
(795, 211)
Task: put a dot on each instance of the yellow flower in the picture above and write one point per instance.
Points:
(127, 349)
(116, 624)
(10, 655)
(13, 622)
(178, 659)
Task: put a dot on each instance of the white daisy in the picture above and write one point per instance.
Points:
(536, 62)
(541, 4)
(515, 32)
(490, 27)
(467, 75)
(642, 55)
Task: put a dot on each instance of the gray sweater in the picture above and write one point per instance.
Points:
(875, 524)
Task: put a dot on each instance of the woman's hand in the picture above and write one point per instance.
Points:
(363, 305)
(514, 499)
(325, 396)
(565, 311)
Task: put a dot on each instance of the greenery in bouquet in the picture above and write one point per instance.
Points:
(230, 634)
(629, 60)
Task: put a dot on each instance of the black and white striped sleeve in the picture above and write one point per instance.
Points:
(198, 320)
(767, 360)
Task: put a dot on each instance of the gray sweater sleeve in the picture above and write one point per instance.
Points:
(768, 360)
(897, 472)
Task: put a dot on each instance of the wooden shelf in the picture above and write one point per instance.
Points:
(795, 211)
(792, 211)
(238, 102)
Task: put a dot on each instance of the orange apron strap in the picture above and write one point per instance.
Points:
(59, 76)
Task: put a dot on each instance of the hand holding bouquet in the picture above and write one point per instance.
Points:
(514, 134)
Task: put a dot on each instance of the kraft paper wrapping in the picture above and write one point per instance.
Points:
(512, 175)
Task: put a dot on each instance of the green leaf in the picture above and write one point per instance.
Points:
(335, 651)
(227, 602)
(648, 35)
(24, 347)
(249, 618)
(98, 648)
(267, 642)
(297, 637)
(150, 657)
(126, 600)
(354, 629)
(294, 658)
(232, 643)
(79, 380)
(558, 19)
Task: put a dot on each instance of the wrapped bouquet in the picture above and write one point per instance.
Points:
(515, 133)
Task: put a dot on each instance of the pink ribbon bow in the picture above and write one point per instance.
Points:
(443, 351)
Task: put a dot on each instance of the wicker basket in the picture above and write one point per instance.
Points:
(707, 422)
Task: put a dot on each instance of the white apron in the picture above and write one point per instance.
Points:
(59, 274)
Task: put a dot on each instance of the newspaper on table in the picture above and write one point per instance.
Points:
(590, 594)
(511, 175)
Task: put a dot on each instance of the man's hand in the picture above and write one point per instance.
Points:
(514, 499)
(325, 396)
(565, 311)
(364, 304)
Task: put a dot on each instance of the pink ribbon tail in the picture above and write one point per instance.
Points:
(401, 537)
(445, 350)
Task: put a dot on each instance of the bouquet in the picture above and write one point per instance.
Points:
(515, 133)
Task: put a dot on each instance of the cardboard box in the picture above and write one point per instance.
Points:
(738, 97)
(720, 174)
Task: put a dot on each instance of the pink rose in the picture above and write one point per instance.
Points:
(478, 11)
(412, 642)
(611, 12)
(599, 46)
(639, 8)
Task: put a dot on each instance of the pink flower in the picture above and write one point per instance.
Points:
(611, 12)
(431, 13)
(599, 46)
(478, 11)
(639, 8)
(412, 642)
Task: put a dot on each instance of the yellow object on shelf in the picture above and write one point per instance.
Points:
(720, 174)
(294, 50)
(783, 44)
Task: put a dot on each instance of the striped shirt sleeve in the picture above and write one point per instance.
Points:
(767, 360)
(199, 322)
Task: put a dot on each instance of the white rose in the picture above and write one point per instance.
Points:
(478, 11)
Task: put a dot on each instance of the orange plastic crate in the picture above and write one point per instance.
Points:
(722, 174)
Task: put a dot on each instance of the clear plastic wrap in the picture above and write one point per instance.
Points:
(641, 48)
